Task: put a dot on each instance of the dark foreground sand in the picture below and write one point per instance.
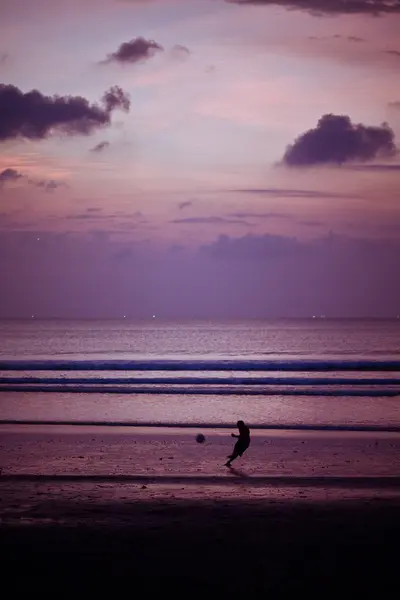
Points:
(226, 547)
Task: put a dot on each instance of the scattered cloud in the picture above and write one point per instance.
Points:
(4, 58)
(35, 116)
(86, 215)
(327, 7)
(100, 146)
(12, 175)
(48, 185)
(9, 175)
(337, 36)
(137, 50)
(213, 220)
(185, 204)
(289, 193)
(336, 140)
(395, 105)
(262, 215)
(114, 98)
(275, 215)
(393, 53)
(122, 219)
(180, 52)
(352, 38)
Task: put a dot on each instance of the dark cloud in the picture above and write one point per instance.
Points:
(12, 175)
(114, 98)
(34, 116)
(4, 58)
(336, 140)
(331, 7)
(393, 53)
(100, 147)
(9, 175)
(136, 50)
(395, 105)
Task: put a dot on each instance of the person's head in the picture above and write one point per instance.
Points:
(240, 424)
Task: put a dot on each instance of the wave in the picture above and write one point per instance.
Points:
(200, 365)
(199, 391)
(298, 381)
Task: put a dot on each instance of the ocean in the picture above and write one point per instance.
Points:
(241, 341)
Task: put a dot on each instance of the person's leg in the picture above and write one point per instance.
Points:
(231, 458)
(237, 451)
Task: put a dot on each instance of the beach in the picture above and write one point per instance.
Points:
(299, 512)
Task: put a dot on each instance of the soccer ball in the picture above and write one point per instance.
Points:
(200, 438)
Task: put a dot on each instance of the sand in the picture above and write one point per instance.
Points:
(312, 514)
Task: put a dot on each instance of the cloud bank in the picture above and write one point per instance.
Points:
(264, 276)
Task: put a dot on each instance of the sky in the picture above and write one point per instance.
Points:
(199, 158)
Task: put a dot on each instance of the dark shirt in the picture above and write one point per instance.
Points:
(244, 434)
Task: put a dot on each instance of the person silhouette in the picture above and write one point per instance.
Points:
(242, 444)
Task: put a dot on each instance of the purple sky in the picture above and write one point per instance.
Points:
(199, 158)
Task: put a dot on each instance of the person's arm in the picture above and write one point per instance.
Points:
(234, 435)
